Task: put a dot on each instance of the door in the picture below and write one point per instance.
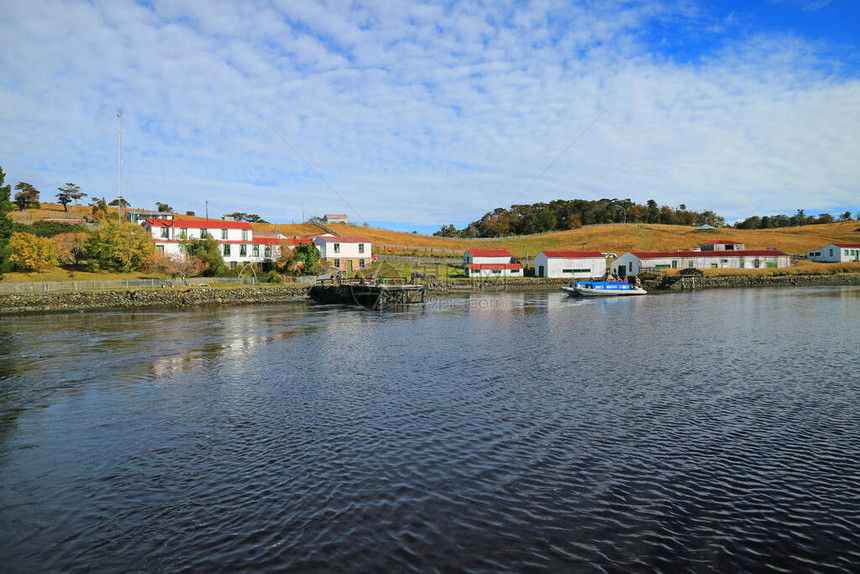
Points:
(540, 271)
(622, 271)
(349, 266)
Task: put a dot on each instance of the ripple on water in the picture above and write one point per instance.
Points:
(528, 434)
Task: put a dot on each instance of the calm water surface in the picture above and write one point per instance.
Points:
(710, 431)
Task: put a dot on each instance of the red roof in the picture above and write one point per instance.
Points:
(488, 253)
(849, 245)
(722, 242)
(199, 223)
(573, 254)
(494, 266)
(339, 239)
(744, 253)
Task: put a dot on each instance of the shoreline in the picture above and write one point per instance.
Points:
(132, 300)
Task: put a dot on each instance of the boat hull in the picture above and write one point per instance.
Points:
(578, 290)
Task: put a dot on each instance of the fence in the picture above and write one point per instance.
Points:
(48, 286)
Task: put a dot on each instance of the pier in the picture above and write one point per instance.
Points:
(376, 294)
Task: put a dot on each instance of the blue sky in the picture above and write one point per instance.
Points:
(415, 115)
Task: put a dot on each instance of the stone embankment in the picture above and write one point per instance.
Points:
(142, 299)
(679, 283)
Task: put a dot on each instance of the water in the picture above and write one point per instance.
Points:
(709, 431)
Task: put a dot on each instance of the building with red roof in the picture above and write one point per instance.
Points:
(572, 264)
(635, 262)
(235, 239)
(490, 263)
(346, 254)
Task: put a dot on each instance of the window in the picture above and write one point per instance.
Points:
(361, 248)
(267, 251)
(223, 234)
(336, 247)
(160, 248)
(361, 263)
(226, 250)
(243, 251)
(233, 265)
(165, 233)
(576, 270)
(337, 262)
(183, 233)
(244, 235)
(741, 263)
(204, 234)
(255, 250)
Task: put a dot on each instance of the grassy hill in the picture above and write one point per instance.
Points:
(620, 238)
(616, 238)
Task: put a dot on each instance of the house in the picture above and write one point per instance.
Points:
(139, 216)
(836, 253)
(344, 253)
(573, 264)
(490, 263)
(723, 245)
(336, 218)
(235, 239)
(635, 262)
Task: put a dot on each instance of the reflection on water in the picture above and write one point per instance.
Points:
(508, 432)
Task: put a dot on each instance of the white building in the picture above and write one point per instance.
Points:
(836, 253)
(723, 245)
(344, 253)
(573, 264)
(139, 216)
(235, 239)
(635, 262)
(336, 218)
(490, 263)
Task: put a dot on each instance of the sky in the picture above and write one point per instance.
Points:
(412, 115)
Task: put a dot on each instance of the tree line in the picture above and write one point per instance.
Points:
(561, 214)
(798, 219)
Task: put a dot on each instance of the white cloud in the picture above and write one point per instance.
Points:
(417, 112)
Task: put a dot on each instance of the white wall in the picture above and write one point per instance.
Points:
(556, 266)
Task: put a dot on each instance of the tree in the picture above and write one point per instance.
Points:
(70, 247)
(72, 191)
(163, 207)
(209, 253)
(118, 246)
(31, 253)
(6, 204)
(309, 256)
(64, 200)
(27, 196)
(175, 265)
(844, 217)
(119, 201)
(99, 208)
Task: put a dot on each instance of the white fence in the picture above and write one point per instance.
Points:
(48, 286)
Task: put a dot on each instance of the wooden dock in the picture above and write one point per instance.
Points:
(369, 294)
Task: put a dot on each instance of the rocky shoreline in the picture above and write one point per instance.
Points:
(171, 298)
(147, 299)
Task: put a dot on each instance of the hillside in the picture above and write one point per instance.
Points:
(615, 238)
(620, 238)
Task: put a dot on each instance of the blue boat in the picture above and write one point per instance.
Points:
(602, 289)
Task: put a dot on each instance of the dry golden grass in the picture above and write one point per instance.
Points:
(605, 238)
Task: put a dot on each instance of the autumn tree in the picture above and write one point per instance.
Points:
(100, 207)
(175, 265)
(27, 196)
(163, 207)
(118, 246)
(209, 252)
(31, 253)
(70, 247)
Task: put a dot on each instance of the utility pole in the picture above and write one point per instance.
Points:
(119, 176)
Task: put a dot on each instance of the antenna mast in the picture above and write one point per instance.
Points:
(119, 177)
